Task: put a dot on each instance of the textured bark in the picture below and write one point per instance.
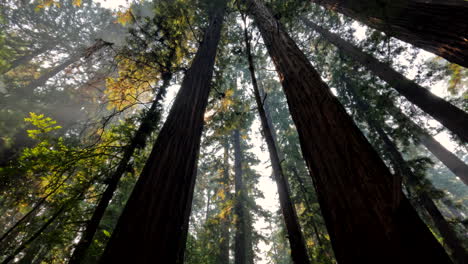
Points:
(453, 118)
(450, 160)
(459, 254)
(153, 225)
(240, 239)
(147, 126)
(296, 239)
(437, 26)
(354, 187)
(223, 255)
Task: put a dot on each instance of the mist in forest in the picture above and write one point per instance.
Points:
(233, 132)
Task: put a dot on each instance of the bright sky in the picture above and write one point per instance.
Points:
(266, 184)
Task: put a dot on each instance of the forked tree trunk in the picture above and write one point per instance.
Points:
(147, 126)
(354, 187)
(453, 118)
(446, 231)
(437, 26)
(296, 239)
(240, 239)
(153, 225)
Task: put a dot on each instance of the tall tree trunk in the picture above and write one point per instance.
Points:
(153, 225)
(450, 160)
(223, 255)
(453, 118)
(353, 184)
(147, 126)
(295, 236)
(458, 252)
(240, 240)
(437, 26)
(30, 254)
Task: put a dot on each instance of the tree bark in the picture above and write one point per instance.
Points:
(147, 126)
(458, 252)
(354, 187)
(295, 236)
(453, 118)
(153, 225)
(240, 239)
(436, 26)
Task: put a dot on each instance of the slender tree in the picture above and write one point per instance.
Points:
(437, 26)
(453, 118)
(148, 125)
(153, 225)
(450, 160)
(296, 239)
(353, 184)
(240, 240)
(223, 255)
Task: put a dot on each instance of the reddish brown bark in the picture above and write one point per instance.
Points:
(453, 118)
(354, 187)
(296, 239)
(153, 225)
(459, 254)
(437, 26)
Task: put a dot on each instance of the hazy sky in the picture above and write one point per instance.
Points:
(112, 4)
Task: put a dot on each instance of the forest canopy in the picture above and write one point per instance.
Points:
(242, 132)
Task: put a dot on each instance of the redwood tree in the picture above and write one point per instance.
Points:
(367, 216)
(154, 222)
(296, 239)
(447, 114)
(437, 26)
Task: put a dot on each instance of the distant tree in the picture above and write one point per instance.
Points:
(338, 171)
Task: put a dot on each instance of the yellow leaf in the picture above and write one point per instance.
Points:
(77, 2)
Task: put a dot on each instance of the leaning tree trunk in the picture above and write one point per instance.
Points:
(25, 58)
(295, 236)
(153, 225)
(437, 26)
(446, 231)
(453, 118)
(450, 160)
(354, 187)
(147, 126)
(240, 238)
(42, 80)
